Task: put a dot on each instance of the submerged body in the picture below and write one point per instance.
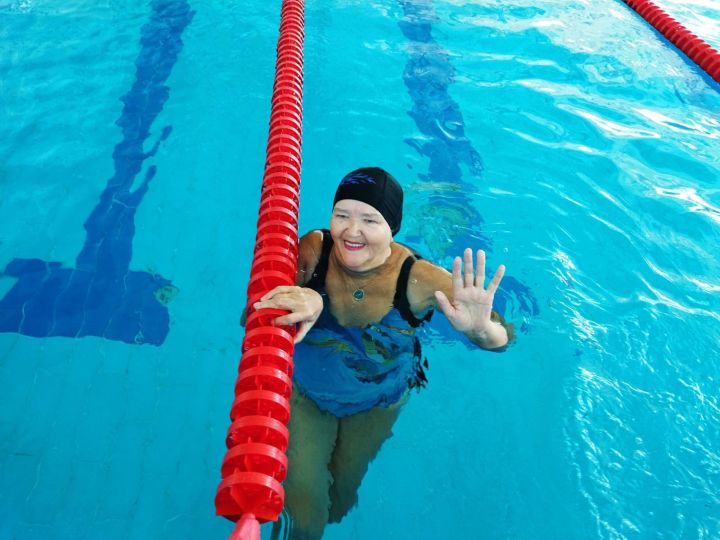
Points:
(379, 361)
(359, 298)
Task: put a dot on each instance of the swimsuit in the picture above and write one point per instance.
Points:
(350, 370)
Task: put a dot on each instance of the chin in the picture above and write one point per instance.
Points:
(353, 261)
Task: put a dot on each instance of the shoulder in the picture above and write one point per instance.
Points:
(426, 272)
(309, 251)
(311, 242)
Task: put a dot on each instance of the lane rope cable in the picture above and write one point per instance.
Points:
(700, 52)
(255, 464)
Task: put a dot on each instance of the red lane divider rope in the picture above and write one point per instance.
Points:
(707, 58)
(255, 464)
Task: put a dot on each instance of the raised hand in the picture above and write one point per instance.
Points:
(471, 306)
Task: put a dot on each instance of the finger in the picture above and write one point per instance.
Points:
(456, 276)
(291, 318)
(497, 278)
(279, 290)
(272, 303)
(468, 274)
(302, 331)
(480, 273)
(280, 302)
(264, 305)
(443, 303)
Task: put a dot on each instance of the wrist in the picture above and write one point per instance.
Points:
(492, 336)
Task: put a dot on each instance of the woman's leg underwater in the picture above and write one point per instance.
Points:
(359, 439)
(312, 439)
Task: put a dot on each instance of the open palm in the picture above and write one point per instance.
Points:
(471, 306)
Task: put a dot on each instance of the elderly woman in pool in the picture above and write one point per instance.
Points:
(359, 298)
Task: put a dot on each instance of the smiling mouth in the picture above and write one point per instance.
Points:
(353, 246)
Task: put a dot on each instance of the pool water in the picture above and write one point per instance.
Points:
(568, 140)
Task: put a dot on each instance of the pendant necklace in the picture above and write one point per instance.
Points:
(359, 293)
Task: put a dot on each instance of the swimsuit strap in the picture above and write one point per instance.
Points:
(317, 281)
(401, 300)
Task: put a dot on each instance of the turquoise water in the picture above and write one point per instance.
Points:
(569, 140)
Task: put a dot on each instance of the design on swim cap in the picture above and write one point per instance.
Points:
(358, 178)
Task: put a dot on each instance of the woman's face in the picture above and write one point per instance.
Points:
(362, 236)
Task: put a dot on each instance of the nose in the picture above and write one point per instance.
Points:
(354, 227)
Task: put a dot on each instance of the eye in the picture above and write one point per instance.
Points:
(370, 221)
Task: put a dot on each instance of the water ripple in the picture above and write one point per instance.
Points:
(690, 195)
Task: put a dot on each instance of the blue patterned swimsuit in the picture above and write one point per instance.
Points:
(350, 370)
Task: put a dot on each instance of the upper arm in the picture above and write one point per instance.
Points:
(425, 279)
(309, 250)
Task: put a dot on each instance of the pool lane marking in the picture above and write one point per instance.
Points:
(101, 296)
(427, 75)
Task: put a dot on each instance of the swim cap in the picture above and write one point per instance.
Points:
(376, 187)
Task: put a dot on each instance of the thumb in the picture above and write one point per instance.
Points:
(443, 303)
(303, 328)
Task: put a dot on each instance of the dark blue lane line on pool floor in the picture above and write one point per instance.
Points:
(428, 74)
(101, 296)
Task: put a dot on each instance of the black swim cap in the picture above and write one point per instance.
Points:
(376, 187)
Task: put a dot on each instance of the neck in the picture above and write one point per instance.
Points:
(360, 273)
